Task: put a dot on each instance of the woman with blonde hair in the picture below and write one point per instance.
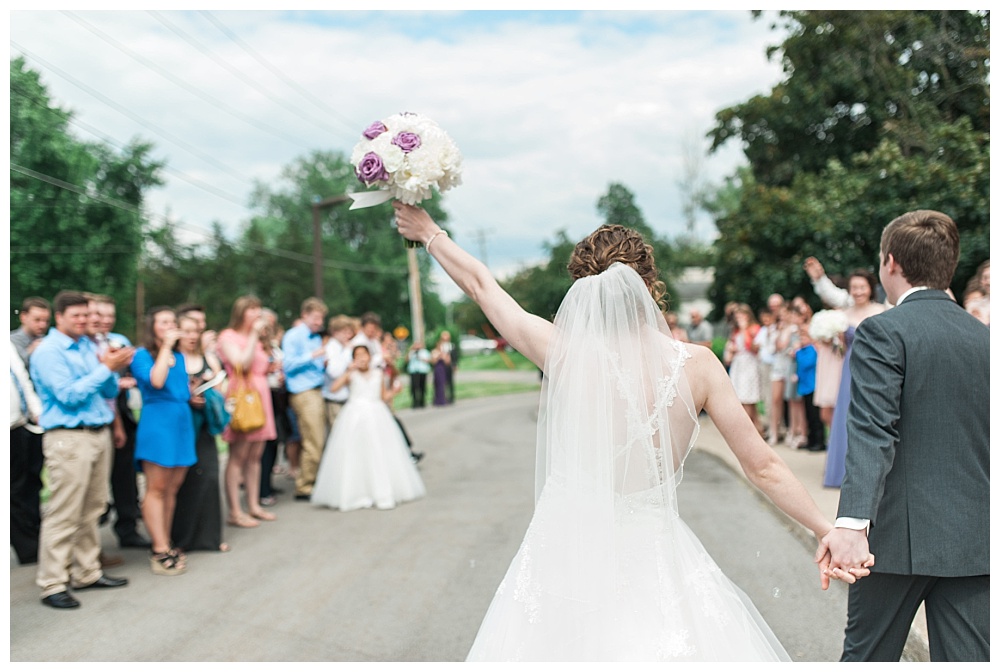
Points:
(197, 524)
(607, 569)
(740, 356)
(243, 355)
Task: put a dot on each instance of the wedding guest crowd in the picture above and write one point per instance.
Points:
(151, 421)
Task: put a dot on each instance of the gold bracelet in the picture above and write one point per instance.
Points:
(427, 245)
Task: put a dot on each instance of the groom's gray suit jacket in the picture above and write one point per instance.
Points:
(918, 455)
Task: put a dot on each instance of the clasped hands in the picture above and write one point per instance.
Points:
(843, 554)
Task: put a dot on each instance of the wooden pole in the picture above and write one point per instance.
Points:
(317, 205)
(317, 253)
(416, 299)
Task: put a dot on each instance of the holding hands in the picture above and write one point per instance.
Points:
(843, 554)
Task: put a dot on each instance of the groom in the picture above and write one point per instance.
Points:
(918, 458)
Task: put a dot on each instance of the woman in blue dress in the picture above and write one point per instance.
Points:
(858, 303)
(164, 444)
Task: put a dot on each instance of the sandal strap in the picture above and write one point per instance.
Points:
(166, 560)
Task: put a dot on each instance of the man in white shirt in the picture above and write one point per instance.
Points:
(370, 337)
(338, 358)
(26, 462)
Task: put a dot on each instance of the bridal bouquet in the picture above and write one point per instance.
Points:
(827, 325)
(404, 156)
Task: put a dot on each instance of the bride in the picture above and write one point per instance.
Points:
(607, 569)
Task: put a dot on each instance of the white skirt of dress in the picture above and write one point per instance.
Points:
(661, 597)
(366, 462)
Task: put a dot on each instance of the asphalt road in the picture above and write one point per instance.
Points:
(411, 584)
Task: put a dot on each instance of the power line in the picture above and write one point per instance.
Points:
(277, 72)
(184, 85)
(277, 252)
(237, 72)
(132, 115)
(90, 129)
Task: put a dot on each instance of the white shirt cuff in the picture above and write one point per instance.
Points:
(853, 523)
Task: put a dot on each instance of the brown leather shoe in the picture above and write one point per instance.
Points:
(111, 560)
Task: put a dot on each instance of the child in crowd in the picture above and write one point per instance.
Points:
(805, 371)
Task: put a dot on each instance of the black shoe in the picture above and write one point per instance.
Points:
(61, 600)
(303, 498)
(134, 540)
(817, 449)
(105, 582)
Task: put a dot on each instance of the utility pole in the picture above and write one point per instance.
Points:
(481, 239)
(416, 298)
(317, 205)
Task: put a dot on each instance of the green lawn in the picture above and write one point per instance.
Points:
(494, 362)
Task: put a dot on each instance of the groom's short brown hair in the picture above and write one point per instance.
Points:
(925, 244)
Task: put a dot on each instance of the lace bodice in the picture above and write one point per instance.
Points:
(366, 385)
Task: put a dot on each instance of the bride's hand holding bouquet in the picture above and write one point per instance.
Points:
(415, 224)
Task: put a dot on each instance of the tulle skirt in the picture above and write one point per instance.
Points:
(366, 462)
(657, 596)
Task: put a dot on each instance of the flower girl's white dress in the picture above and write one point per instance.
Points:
(366, 462)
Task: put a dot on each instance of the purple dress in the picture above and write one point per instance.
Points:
(440, 383)
(836, 452)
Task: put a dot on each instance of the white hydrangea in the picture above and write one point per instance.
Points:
(828, 324)
(435, 163)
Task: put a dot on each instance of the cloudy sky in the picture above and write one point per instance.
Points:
(547, 107)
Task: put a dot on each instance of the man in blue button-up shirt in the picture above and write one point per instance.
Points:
(304, 365)
(74, 384)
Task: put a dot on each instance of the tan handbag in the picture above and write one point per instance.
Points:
(244, 405)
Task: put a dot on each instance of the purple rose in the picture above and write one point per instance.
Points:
(371, 170)
(407, 141)
(375, 129)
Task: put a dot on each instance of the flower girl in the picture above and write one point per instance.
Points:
(366, 462)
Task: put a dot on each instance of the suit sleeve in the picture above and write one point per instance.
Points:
(877, 367)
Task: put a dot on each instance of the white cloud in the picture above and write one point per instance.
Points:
(547, 109)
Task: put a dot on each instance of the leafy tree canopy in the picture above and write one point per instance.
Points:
(75, 207)
(879, 113)
(855, 77)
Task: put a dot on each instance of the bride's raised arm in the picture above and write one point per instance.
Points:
(527, 333)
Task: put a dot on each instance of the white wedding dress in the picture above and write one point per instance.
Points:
(366, 462)
(607, 570)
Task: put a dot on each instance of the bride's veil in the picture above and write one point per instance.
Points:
(616, 422)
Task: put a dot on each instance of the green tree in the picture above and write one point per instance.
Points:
(879, 113)
(838, 215)
(75, 208)
(853, 77)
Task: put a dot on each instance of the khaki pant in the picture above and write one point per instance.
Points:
(311, 416)
(79, 464)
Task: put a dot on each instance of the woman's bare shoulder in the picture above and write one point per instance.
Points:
(701, 356)
(703, 369)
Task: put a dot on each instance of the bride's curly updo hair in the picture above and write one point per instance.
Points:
(615, 243)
